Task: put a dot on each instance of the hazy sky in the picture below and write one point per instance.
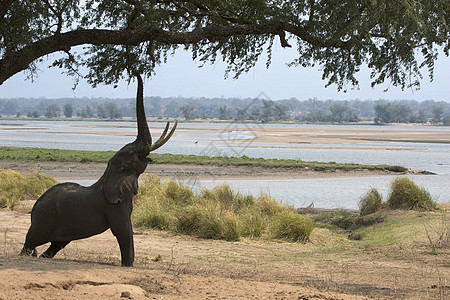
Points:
(182, 77)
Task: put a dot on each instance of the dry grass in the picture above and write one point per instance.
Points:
(217, 213)
(15, 187)
(405, 194)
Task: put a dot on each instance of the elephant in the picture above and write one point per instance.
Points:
(69, 211)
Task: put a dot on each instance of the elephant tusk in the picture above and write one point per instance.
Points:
(163, 138)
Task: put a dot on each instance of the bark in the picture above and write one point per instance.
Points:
(18, 61)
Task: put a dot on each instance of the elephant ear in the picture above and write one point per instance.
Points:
(120, 186)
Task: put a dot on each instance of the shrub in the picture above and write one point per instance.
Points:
(370, 202)
(217, 213)
(209, 222)
(231, 228)
(149, 214)
(187, 220)
(405, 194)
(267, 206)
(291, 226)
(179, 193)
(228, 198)
(252, 223)
(15, 187)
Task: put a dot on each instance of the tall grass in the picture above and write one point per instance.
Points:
(405, 194)
(15, 187)
(371, 202)
(217, 213)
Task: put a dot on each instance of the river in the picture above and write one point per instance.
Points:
(239, 139)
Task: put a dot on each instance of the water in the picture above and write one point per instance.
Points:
(237, 140)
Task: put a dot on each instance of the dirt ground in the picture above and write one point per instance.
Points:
(183, 267)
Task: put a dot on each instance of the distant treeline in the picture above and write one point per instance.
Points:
(237, 109)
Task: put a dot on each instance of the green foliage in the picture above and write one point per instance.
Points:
(405, 194)
(217, 213)
(121, 37)
(342, 220)
(291, 226)
(371, 202)
(391, 113)
(15, 187)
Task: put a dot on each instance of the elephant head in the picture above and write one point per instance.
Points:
(120, 181)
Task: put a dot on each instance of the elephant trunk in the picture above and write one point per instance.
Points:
(143, 137)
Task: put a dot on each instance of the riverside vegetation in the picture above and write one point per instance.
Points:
(42, 154)
(221, 213)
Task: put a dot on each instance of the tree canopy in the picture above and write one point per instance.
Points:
(121, 37)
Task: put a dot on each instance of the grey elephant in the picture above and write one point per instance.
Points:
(68, 211)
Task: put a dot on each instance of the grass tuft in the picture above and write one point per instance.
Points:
(370, 203)
(15, 187)
(291, 226)
(405, 194)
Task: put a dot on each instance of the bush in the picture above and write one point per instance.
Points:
(207, 220)
(149, 214)
(228, 198)
(291, 226)
(179, 193)
(370, 203)
(15, 187)
(405, 194)
(267, 206)
(217, 213)
(252, 223)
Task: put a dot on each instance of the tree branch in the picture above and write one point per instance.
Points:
(18, 61)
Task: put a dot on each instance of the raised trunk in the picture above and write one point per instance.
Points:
(143, 135)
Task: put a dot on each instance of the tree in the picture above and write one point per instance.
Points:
(33, 114)
(86, 112)
(419, 117)
(188, 112)
(112, 110)
(68, 110)
(224, 113)
(52, 111)
(241, 114)
(280, 112)
(446, 120)
(10, 107)
(121, 37)
(339, 111)
(391, 113)
(436, 113)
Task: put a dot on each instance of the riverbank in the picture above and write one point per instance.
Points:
(92, 171)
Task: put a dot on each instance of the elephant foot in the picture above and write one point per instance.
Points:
(127, 264)
(28, 252)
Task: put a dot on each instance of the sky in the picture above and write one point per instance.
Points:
(181, 76)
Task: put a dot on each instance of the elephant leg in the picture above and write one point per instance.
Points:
(32, 240)
(120, 224)
(125, 238)
(53, 249)
(28, 251)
